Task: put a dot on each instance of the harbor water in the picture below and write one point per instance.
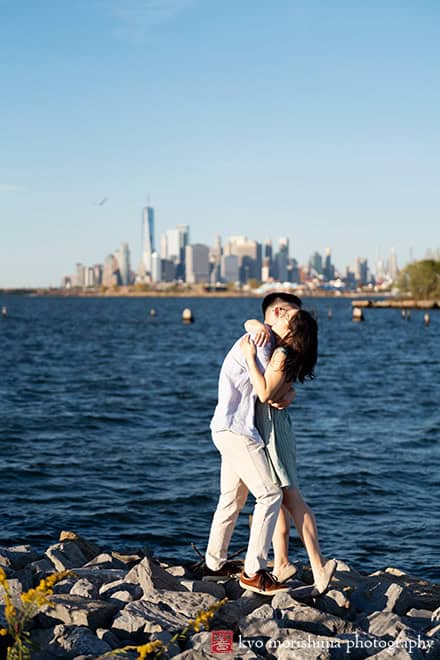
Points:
(105, 413)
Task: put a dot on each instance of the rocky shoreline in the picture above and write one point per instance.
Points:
(115, 599)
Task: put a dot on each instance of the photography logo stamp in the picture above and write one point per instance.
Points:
(222, 641)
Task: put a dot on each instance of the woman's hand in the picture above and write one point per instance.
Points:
(248, 347)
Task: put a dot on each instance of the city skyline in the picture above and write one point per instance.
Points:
(300, 119)
(236, 260)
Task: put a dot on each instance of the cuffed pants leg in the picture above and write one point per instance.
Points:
(244, 468)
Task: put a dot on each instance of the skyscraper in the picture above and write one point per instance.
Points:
(147, 237)
(123, 258)
(197, 263)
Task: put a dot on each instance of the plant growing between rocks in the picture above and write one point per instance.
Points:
(19, 613)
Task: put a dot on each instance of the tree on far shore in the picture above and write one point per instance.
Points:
(421, 279)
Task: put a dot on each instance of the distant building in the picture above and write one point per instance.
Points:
(229, 268)
(123, 258)
(361, 271)
(147, 237)
(156, 268)
(282, 260)
(168, 270)
(173, 246)
(197, 263)
(315, 263)
(328, 269)
(249, 255)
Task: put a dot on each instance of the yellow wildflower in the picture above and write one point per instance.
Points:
(3, 632)
(146, 649)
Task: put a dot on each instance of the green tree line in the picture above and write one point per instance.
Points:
(421, 279)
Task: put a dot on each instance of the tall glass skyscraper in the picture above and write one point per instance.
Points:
(147, 237)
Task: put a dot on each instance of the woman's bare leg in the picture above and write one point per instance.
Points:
(280, 541)
(305, 523)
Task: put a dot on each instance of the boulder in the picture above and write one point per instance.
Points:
(336, 602)
(111, 588)
(18, 556)
(202, 586)
(150, 576)
(105, 560)
(78, 611)
(71, 641)
(169, 611)
(85, 588)
(65, 555)
(88, 548)
(382, 596)
(311, 620)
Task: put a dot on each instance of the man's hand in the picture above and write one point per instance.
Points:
(285, 401)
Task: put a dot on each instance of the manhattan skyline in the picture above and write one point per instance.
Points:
(300, 119)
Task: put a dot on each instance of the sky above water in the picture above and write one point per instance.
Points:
(316, 120)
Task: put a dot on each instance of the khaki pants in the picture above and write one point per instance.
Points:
(244, 468)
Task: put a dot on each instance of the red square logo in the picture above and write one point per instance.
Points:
(222, 641)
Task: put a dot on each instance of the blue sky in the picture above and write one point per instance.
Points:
(316, 120)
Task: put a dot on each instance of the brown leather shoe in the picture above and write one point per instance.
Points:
(228, 570)
(263, 583)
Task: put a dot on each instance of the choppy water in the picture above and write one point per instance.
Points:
(105, 417)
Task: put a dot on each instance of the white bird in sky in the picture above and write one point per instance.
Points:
(102, 202)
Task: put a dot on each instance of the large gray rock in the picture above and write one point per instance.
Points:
(78, 611)
(382, 596)
(18, 556)
(71, 641)
(228, 616)
(40, 568)
(291, 614)
(85, 588)
(425, 595)
(167, 610)
(336, 602)
(202, 586)
(109, 637)
(65, 555)
(102, 575)
(150, 576)
(261, 623)
(105, 560)
(88, 548)
(111, 588)
(385, 624)
(297, 645)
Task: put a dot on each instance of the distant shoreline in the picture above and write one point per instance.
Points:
(124, 293)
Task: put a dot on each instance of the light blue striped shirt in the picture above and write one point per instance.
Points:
(235, 409)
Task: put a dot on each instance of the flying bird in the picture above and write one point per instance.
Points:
(102, 202)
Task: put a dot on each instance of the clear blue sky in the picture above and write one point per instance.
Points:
(316, 120)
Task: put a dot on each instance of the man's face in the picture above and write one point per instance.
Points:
(281, 311)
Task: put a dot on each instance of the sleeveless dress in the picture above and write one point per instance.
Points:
(276, 430)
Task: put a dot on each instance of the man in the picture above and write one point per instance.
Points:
(244, 464)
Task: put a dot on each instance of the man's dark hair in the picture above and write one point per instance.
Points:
(282, 295)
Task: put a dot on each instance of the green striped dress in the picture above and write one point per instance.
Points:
(275, 428)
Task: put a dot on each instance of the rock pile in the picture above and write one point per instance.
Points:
(115, 599)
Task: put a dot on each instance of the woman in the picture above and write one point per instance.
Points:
(293, 360)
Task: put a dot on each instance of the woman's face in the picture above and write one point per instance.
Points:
(283, 324)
